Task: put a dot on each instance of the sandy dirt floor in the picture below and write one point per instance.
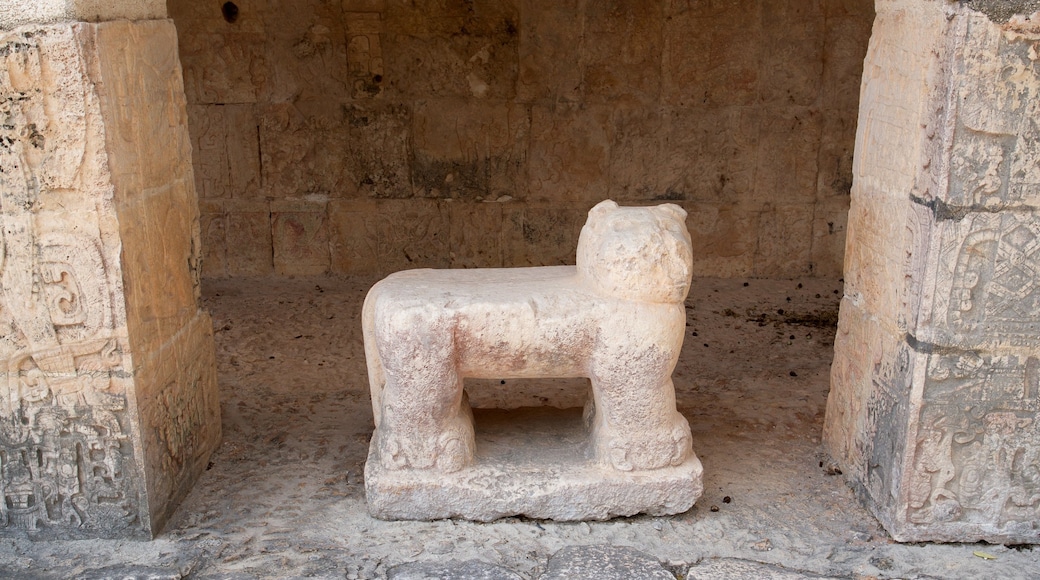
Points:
(284, 494)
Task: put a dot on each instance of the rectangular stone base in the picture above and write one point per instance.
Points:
(531, 462)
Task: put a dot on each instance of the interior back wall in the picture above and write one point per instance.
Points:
(368, 136)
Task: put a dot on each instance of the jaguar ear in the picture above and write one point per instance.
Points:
(602, 207)
(672, 210)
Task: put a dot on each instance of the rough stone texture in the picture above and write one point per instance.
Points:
(732, 569)
(604, 563)
(742, 112)
(17, 12)
(934, 405)
(452, 570)
(616, 317)
(109, 412)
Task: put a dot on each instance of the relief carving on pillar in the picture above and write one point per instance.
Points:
(994, 280)
(66, 456)
(976, 459)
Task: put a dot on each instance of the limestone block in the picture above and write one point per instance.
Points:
(621, 51)
(226, 150)
(379, 138)
(784, 241)
(548, 38)
(827, 254)
(792, 52)
(726, 236)
(604, 563)
(933, 407)
(982, 289)
(569, 154)
(475, 234)
(213, 226)
(717, 65)
(93, 305)
(378, 237)
(365, 60)
(708, 155)
(617, 318)
(299, 232)
(837, 143)
(224, 62)
(18, 12)
(788, 154)
(305, 53)
(540, 235)
(249, 239)
(846, 38)
(302, 148)
(470, 149)
(452, 49)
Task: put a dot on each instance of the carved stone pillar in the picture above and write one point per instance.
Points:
(108, 401)
(935, 391)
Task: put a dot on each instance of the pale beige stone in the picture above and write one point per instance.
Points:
(17, 12)
(932, 408)
(100, 279)
(617, 317)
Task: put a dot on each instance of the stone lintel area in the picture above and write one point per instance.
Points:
(108, 406)
(933, 411)
(534, 462)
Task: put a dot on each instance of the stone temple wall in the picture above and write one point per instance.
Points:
(935, 395)
(367, 136)
(108, 398)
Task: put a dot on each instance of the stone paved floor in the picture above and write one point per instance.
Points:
(284, 495)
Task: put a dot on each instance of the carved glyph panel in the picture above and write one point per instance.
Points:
(975, 455)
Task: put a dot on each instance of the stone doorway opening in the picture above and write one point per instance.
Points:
(318, 132)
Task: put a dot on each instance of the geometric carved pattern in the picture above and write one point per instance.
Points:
(996, 281)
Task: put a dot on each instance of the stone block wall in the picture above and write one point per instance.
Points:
(933, 411)
(367, 136)
(108, 405)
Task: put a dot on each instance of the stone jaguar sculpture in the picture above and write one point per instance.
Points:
(617, 318)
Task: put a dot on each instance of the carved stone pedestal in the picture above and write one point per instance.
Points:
(933, 411)
(108, 401)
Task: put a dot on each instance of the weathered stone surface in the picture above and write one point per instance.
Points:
(226, 150)
(301, 238)
(18, 12)
(934, 406)
(733, 569)
(468, 570)
(617, 317)
(750, 105)
(470, 150)
(604, 563)
(727, 236)
(379, 237)
(784, 241)
(537, 235)
(111, 412)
